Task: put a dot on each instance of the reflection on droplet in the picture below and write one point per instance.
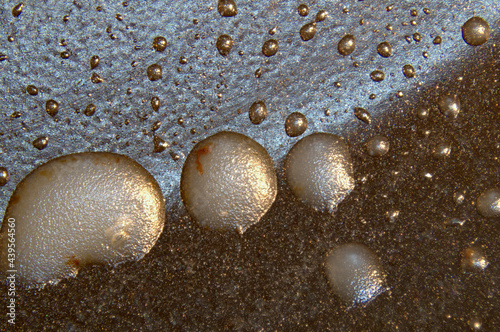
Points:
(363, 115)
(270, 47)
(224, 44)
(347, 45)
(473, 260)
(41, 142)
(423, 113)
(295, 124)
(258, 73)
(32, 90)
(377, 146)
(355, 273)
(51, 107)
(449, 105)
(441, 150)
(308, 31)
(159, 43)
(321, 16)
(476, 323)
(488, 203)
(303, 10)
(4, 176)
(377, 75)
(227, 8)
(17, 9)
(96, 78)
(159, 144)
(94, 61)
(392, 215)
(409, 71)
(155, 103)
(89, 110)
(459, 197)
(257, 112)
(154, 72)
(384, 49)
(476, 31)
(438, 40)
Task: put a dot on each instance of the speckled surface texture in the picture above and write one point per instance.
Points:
(272, 277)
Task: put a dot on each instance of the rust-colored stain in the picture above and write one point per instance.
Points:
(47, 174)
(72, 260)
(207, 149)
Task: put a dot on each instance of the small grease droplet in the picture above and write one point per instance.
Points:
(347, 45)
(183, 60)
(308, 31)
(417, 37)
(258, 72)
(427, 11)
(41, 142)
(303, 10)
(438, 40)
(224, 44)
(363, 115)
(441, 150)
(154, 72)
(155, 103)
(413, 12)
(96, 78)
(384, 49)
(4, 176)
(377, 75)
(89, 110)
(64, 55)
(159, 145)
(257, 112)
(473, 260)
(159, 43)
(94, 61)
(476, 31)
(270, 47)
(295, 124)
(408, 71)
(32, 90)
(488, 203)
(449, 105)
(51, 107)
(321, 16)
(377, 146)
(227, 8)
(17, 9)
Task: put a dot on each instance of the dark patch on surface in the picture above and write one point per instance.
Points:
(203, 151)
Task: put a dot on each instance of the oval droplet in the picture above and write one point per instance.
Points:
(257, 112)
(377, 146)
(363, 115)
(347, 45)
(295, 124)
(270, 47)
(449, 105)
(384, 49)
(377, 75)
(159, 43)
(154, 72)
(51, 107)
(227, 8)
(308, 31)
(224, 44)
(488, 203)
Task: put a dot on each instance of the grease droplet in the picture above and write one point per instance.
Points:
(409, 71)
(270, 47)
(308, 31)
(295, 124)
(96, 78)
(473, 260)
(347, 45)
(4, 176)
(442, 150)
(94, 61)
(303, 10)
(89, 110)
(154, 72)
(488, 203)
(384, 49)
(32, 90)
(41, 142)
(476, 31)
(64, 55)
(159, 43)
(257, 112)
(224, 44)
(159, 145)
(449, 105)
(377, 146)
(377, 76)
(438, 40)
(17, 9)
(258, 72)
(363, 115)
(227, 8)
(155, 103)
(51, 107)
(321, 16)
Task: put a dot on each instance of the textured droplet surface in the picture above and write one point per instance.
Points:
(270, 47)
(228, 182)
(319, 171)
(449, 105)
(363, 115)
(159, 43)
(227, 8)
(355, 273)
(408, 71)
(308, 31)
(377, 146)
(476, 31)
(295, 124)
(488, 203)
(347, 45)
(377, 76)
(81, 209)
(303, 9)
(89, 110)
(154, 72)
(257, 112)
(384, 49)
(473, 260)
(51, 107)
(224, 44)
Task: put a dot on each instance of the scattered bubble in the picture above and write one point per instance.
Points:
(377, 146)
(51, 107)
(183, 60)
(417, 37)
(384, 49)
(442, 150)
(159, 43)
(409, 71)
(96, 78)
(3, 57)
(227, 8)
(423, 113)
(41, 142)
(308, 31)
(488, 203)
(159, 145)
(295, 124)
(328, 112)
(257, 112)
(89, 110)
(438, 40)
(355, 273)
(321, 16)
(154, 72)
(399, 94)
(425, 55)
(94, 61)
(408, 39)
(303, 10)
(270, 47)
(347, 45)
(32, 90)
(476, 31)
(155, 103)
(363, 115)
(377, 75)
(224, 44)
(449, 105)
(156, 125)
(4, 176)
(372, 96)
(17, 9)
(413, 12)
(389, 8)
(64, 54)
(473, 260)
(258, 72)
(119, 17)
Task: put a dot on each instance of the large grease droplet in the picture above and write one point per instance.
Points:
(227, 8)
(476, 31)
(270, 47)
(257, 112)
(488, 203)
(224, 44)
(319, 171)
(308, 31)
(228, 182)
(355, 273)
(347, 45)
(449, 105)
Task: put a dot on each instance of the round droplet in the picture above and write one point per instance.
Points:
(258, 73)
(377, 146)
(303, 10)
(227, 8)
(347, 45)
(96, 78)
(449, 105)
(154, 72)
(257, 112)
(417, 37)
(377, 76)
(442, 150)
(308, 31)
(476, 323)
(488, 204)
(155, 103)
(82, 208)
(295, 124)
(159, 145)
(51, 107)
(319, 171)
(228, 182)
(409, 71)
(159, 43)
(32, 90)
(94, 61)
(224, 44)
(17, 9)
(384, 49)
(438, 40)
(89, 110)
(41, 142)
(476, 31)
(270, 47)
(473, 260)
(321, 16)
(363, 115)
(4, 176)
(183, 60)
(64, 54)
(423, 113)
(355, 273)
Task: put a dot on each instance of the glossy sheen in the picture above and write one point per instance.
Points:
(488, 203)
(319, 171)
(228, 182)
(227, 8)
(449, 105)
(154, 72)
(347, 45)
(257, 112)
(270, 47)
(295, 124)
(82, 208)
(377, 146)
(355, 273)
(476, 31)
(224, 44)
(308, 31)
(159, 43)
(384, 49)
